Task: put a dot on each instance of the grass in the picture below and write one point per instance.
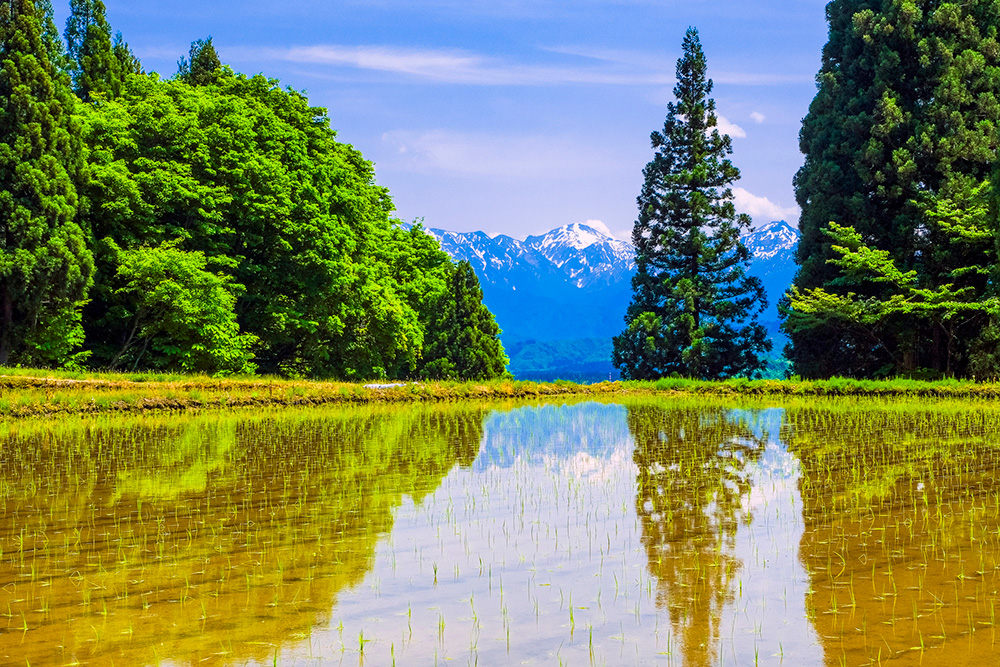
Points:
(31, 392)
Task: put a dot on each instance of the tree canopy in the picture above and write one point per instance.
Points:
(46, 266)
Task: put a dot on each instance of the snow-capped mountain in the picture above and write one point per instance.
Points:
(574, 283)
(772, 240)
(589, 260)
(586, 255)
(578, 253)
(772, 249)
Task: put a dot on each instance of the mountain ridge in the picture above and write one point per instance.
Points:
(574, 282)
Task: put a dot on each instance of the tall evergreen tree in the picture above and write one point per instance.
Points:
(904, 120)
(201, 66)
(694, 310)
(50, 36)
(45, 265)
(93, 63)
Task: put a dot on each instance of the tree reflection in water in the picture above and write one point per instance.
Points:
(692, 481)
(217, 537)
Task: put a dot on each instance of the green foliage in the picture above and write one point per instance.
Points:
(904, 122)
(50, 36)
(211, 169)
(182, 315)
(245, 170)
(45, 265)
(913, 300)
(694, 310)
(463, 339)
(127, 62)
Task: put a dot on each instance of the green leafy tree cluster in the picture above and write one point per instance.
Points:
(210, 223)
(239, 168)
(246, 170)
(179, 314)
(903, 125)
(694, 310)
(963, 310)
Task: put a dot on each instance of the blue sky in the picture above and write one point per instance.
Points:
(515, 116)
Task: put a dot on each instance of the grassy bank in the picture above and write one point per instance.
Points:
(28, 392)
(897, 387)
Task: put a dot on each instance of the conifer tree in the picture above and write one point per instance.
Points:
(904, 120)
(463, 339)
(45, 265)
(50, 36)
(93, 63)
(694, 310)
(202, 64)
(128, 63)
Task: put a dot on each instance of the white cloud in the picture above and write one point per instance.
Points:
(496, 156)
(661, 62)
(758, 117)
(730, 128)
(599, 226)
(762, 209)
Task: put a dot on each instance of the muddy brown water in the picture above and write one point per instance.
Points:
(674, 532)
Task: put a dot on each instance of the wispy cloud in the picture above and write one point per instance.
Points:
(495, 156)
(453, 66)
(758, 117)
(762, 209)
(661, 62)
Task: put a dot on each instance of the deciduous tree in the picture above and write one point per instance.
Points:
(181, 315)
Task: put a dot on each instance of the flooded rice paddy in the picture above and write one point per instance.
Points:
(673, 532)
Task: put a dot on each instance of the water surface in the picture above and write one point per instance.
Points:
(671, 532)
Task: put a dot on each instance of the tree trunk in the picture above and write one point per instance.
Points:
(936, 347)
(6, 322)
